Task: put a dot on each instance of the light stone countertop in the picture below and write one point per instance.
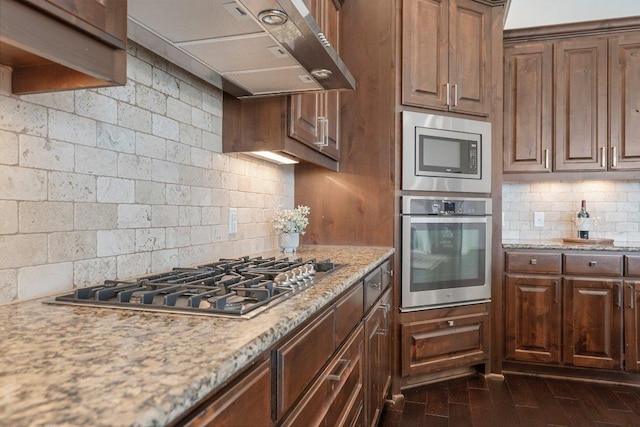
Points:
(64, 365)
(559, 245)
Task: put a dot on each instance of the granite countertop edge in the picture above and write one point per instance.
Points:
(42, 347)
(559, 245)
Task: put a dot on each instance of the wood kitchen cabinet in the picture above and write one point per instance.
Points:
(446, 47)
(55, 45)
(246, 403)
(305, 126)
(624, 93)
(528, 87)
(533, 307)
(439, 339)
(377, 327)
(570, 99)
(580, 104)
(593, 322)
(580, 312)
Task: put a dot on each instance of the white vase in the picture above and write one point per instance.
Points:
(289, 242)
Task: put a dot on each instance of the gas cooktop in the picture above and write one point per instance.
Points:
(238, 287)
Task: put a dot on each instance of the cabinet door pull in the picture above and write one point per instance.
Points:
(338, 375)
(375, 285)
(386, 308)
(450, 322)
(603, 154)
(455, 95)
(388, 272)
(323, 138)
(619, 291)
(546, 158)
(592, 263)
(448, 90)
(632, 302)
(557, 286)
(533, 261)
(614, 156)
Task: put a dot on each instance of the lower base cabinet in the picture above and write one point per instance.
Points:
(246, 403)
(632, 325)
(378, 356)
(336, 397)
(439, 339)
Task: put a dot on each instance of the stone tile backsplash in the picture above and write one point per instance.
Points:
(615, 205)
(117, 182)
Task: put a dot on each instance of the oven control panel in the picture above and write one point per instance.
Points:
(414, 205)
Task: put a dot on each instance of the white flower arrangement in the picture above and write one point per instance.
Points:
(291, 220)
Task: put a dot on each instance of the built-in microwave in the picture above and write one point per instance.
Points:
(442, 153)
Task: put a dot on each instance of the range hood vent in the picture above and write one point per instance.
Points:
(247, 48)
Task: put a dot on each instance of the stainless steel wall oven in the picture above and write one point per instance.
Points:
(446, 251)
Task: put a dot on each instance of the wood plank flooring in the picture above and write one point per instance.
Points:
(518, 401)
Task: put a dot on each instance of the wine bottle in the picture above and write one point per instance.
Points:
(583, 231)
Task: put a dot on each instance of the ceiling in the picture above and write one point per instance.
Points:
(535, 13)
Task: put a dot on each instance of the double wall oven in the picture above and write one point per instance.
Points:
(446, 214)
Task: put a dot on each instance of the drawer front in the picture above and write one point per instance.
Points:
(336, 397)
(349, 311)
(593, 265)
(532, 262)
(435, 345)
(372, 288)
(632, 265)
(302, 358)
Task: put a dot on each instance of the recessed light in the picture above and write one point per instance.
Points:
(273, 17)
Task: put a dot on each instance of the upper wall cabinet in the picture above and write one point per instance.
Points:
(571, 102)
(446, 47)
(63, 44)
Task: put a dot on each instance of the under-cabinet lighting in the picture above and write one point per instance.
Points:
(274, 157)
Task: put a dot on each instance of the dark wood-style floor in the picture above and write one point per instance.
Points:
(518, 401)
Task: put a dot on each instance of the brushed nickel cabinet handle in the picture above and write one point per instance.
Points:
(632, 302)
(323, 142)
(614, 156)
(533, 261)
(556, 285)
(338, 375)
(455, 95)
(603, 155)
(619, 292)
(592, 263)
(546, 158)
(448, 90)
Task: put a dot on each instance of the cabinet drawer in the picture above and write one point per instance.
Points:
(302, 358)
(372, 288)
(632, 265)
(588, 264)
(443, 343)
(349, 311)
(532, 262)
(336, 397)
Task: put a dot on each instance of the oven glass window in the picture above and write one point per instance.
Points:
(447, 255)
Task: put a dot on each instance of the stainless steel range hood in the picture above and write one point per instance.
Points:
(226, 43)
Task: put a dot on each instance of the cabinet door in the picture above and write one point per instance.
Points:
(248, 403)
(469, 62)
(581, 104)
(447, 342)
(528, 86)
(425, 53)
(593, 322)
(632, 326)
(532, 324)
(624, 72)
(105, 19)
(378, 364)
